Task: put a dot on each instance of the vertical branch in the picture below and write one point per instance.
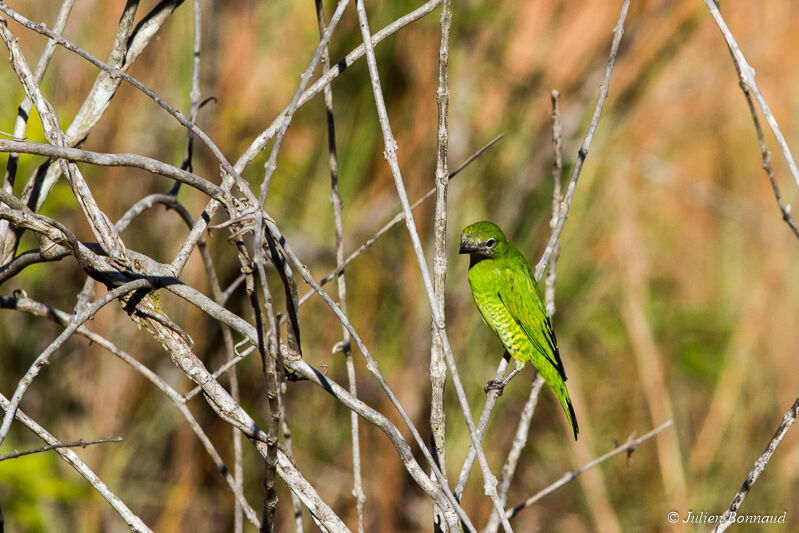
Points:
(267, 359)
(438, 365)
(295, 500)
(523, 428)
(390, 154)
(557, 167)
(272, 395)
(346, 348)
(194, 95)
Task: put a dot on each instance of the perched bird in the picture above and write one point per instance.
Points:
(510, 301)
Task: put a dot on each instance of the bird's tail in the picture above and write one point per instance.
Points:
(558, 386)
(568, 408)
(562, 393)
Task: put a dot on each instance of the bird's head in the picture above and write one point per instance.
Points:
(482, 240)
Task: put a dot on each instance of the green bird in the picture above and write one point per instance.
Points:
(510, 301)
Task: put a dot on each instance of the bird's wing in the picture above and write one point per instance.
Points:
(520, 294)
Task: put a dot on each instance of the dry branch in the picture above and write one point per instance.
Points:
(760, 466)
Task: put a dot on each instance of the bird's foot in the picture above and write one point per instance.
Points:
(497, 385)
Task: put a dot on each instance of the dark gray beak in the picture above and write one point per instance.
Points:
(466, 248)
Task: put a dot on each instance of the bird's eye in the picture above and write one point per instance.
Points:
(491, 243)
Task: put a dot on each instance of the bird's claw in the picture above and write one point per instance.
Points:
(496, 385)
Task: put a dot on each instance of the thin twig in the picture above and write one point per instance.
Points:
(764, 152)
(265, 136)
(583, 152)
(44, 358)
(760, 466)
(747, 76)
(60, 317)
(78, 444)
(22, 119)
(131, 519)
(628, 447)
(113, 160)
(345, 344)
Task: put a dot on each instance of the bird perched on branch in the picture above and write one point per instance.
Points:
(510, 301)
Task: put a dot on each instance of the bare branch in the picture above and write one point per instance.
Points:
(747, 76)
(78, 444)
(628, 447)
(39, 309)
(760, 466)
(44, 358)
(345, 345)
(557, 166)
(113, 160)
(583, 152)
(263, 139)
(438, 365)
(131, 519)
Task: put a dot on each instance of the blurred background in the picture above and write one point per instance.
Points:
(677, 295)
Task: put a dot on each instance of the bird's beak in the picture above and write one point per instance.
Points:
(466, 248)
